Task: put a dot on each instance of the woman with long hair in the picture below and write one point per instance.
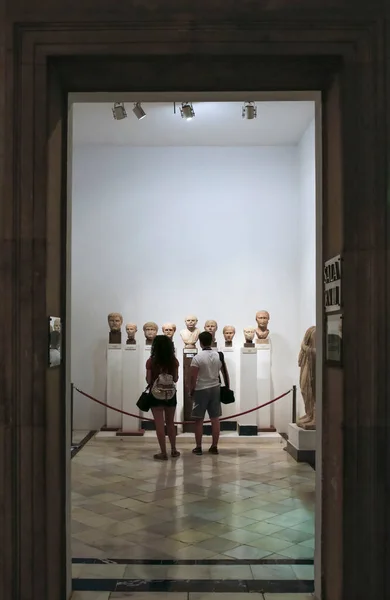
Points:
(163, 361)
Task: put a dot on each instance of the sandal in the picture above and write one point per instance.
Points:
(197, 451)
(175, 454)
(160, 456)
(214, 450)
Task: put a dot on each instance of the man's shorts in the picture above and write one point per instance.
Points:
(207, 399)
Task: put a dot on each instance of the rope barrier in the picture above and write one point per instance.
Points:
(246, 412)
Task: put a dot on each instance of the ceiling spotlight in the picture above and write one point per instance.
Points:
(187, 111)
(119, 111)
(139, 111)
(249, 110)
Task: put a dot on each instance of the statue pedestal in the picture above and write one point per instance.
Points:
(130, 392)
(188, 355)
(231, 356)
(264, 415)
(301, 444)
(114, 386)
(248, 391)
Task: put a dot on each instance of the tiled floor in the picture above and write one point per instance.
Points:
(248, 503)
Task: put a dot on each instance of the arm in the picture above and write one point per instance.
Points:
(176, 373)
(148, 372)
(193, 378)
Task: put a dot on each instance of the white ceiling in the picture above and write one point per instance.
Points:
(215, 124)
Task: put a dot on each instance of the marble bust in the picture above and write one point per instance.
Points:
(150, 330)
(262, 331)
(115, 321)
(228, 333)
(307, 379)
(131, 330)
(191, 333)
(249, 334)
(169, 329)
(211, 326)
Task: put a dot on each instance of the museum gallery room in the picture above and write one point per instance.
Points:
(185, 217)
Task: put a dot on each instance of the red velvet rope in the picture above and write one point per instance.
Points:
(179, 422)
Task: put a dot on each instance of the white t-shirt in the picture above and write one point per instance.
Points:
(209, 365)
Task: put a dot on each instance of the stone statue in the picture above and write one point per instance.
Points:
(211, 326)
(131, 330)
(191, 334)
(150, 330)
(228, 333)
(307, 379)
(249, 334)
(262, 331)
(115, 321)
(169, 329)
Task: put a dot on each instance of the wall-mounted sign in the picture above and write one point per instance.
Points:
(334, 339)
(332, 284)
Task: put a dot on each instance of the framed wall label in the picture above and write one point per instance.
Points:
(334, 339)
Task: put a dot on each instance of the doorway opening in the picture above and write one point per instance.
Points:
(216, 216)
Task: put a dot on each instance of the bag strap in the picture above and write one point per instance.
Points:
(224, 370)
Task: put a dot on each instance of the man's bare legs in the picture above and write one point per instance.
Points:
(198, 432)
(215, 431)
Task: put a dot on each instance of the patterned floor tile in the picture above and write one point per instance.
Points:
(292, 535)
(247, 552)
(241, 536)
(247, 503)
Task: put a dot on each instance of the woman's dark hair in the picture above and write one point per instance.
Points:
(163, 352)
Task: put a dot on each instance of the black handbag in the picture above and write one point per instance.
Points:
(143, 401)
(226, 395)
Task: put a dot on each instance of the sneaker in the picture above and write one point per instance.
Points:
(197, 451)
(214, 450)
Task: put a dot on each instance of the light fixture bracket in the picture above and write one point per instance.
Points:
(249, 110)
(119, 111)
(187, 111)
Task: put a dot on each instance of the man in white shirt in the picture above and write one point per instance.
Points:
(205, 391)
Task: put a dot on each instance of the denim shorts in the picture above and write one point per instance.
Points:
(206, 400)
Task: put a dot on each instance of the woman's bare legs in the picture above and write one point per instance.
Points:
(158, 414)
(171, 430)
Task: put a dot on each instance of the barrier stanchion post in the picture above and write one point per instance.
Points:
(294, 404)
(71, 412)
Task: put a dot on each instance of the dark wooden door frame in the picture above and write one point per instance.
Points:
(51, 60)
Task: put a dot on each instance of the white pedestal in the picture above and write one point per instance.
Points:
(248, 391)
(231, 359)
(301, 439)
(264, 415)
(301, 444)
(130, 393)
(114, 385)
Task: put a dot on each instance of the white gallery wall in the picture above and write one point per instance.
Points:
(161, 232)
(307, 211)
